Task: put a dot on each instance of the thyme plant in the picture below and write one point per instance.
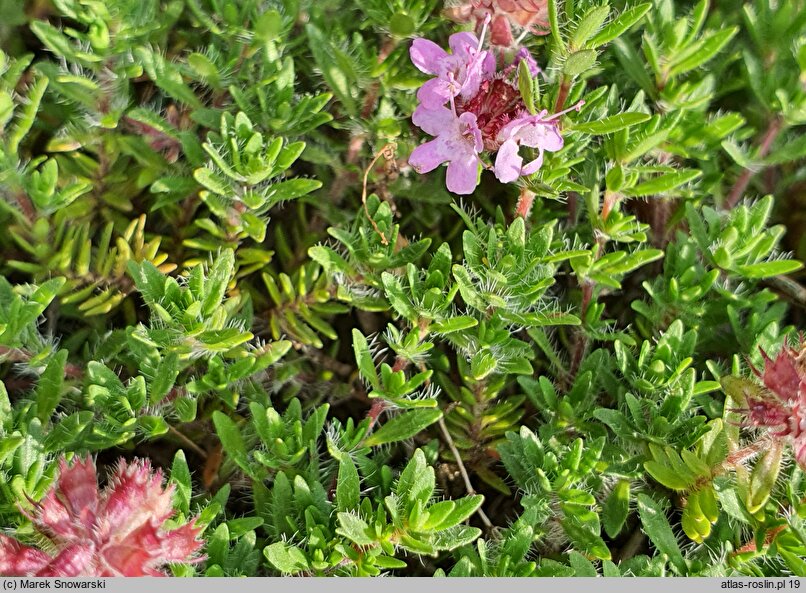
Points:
(251, 323)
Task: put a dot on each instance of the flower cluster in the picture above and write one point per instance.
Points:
(781, 407)
(117, 532)
(486, 113)
(531, 16)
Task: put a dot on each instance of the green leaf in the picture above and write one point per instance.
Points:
(354, 528)
(389, 562)
(657, 528)
(663, 183)
(285, 557)
(586, 540)
(616, 509)
(164, 377)
(526, 86)
(216, 285)
(336, 67)
(453, 324)
(68, 431)
(581, 565)
(231, 439)
(579, 62)
(9, 444)
(212, 181)
(589, 25)
(27, 114)
(701, 51)
(795, 562)
(455, 537)
(49, 389)
(44, 295)
(363, 358)
(291, 189)
(152, 426)
(397, 297)
(763, 478)
(611, 124)
(5, 407)
(620, 24)
(348, 486)
(243, 525)
(403, 427)
(180, 477)
(416, 481)
(462, 510)
(769, 268)
(482, 364)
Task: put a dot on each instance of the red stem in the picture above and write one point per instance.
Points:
(773, 129)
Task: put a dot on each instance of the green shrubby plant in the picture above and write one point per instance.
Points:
(230, 253)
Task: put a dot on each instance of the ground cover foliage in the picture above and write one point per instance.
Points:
(250, 325)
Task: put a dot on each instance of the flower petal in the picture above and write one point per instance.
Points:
(463, 174)
(434, 93)
(426, 55)
(488, 65)
(530, 168)
(433, 121)
(543, 135)
(508, 162)
(470, 126)
(429, 156)
(461, 42)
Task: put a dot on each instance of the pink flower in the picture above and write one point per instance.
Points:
(117, 532)
(782, 406)
(458, 142)
(534, 131)
(458, 74)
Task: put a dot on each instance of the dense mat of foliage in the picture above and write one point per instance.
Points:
(223, 257)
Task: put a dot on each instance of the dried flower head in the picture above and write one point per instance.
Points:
(781, 407)
(115, 532)
(523, 15)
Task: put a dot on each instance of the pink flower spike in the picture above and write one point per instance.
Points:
(458, 142)
(116, 532)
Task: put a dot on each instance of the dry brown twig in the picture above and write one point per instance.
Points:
(387, 152)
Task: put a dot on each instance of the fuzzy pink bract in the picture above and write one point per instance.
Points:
(781, 407)
(118, 531)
